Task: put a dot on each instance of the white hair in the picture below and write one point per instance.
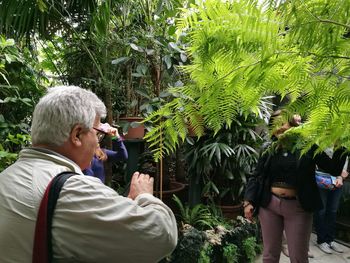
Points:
(60, 110)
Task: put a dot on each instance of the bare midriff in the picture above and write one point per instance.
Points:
(285, 192)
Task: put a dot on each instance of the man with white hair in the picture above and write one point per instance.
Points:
(91, 222)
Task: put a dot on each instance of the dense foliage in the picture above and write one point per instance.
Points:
(223, 243)
(220, 162)
(20, 89)
(20, 18)
(242, 51)
(221, 58)
(205, 236)
(125, 51)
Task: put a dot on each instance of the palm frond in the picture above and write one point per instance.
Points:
(20, 18)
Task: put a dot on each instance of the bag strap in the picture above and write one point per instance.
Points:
(42, 250)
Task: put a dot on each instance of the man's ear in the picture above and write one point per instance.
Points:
(75, 135)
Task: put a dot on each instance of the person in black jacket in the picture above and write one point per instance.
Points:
(325, 218)
(289, 195)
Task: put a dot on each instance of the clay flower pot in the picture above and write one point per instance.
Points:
(136, 130)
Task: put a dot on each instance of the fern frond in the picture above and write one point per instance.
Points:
(241, 52)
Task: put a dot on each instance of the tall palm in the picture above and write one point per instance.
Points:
(20, 18)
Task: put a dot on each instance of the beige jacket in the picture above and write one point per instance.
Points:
(92, 223)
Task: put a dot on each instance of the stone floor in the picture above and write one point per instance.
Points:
(320, 257)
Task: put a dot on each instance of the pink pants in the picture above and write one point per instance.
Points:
(285, 215)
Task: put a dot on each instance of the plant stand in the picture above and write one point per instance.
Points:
(194, 192)
(135, 147)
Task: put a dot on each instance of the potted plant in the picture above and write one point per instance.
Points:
(220, 162)
(170, 185)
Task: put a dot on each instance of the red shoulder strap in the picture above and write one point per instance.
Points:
(42, 249)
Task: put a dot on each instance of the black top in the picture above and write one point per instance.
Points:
(283, 168)
(300, 171)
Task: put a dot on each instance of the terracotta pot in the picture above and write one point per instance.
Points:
(134, 133)
(174, 188)
(231, 211)
(167, 196)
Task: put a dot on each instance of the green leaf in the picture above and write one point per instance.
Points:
(120, 60)
(137, 75)
(183, 57)
(171, 30)
(142, 69)
(167, 60)
(7, 43)
(42, 5)
(135, 47)
(150, 52)
(10, 99)
(173, 46)
(8, 58)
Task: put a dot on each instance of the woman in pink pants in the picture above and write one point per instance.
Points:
(289, 195)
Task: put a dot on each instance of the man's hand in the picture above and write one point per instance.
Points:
(140, 184)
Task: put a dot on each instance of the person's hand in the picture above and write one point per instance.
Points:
(109, 130)
(344, 174)
(295, 121)
(340, 179)
(248, 211)
(140, 184)
(113, 132)
(339, 182)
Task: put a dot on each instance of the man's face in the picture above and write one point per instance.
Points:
(89, 145)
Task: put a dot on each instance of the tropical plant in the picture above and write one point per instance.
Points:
(205, 253)
(251, 248)
(124, 51)
(242, 51)
(30, 17)
(152, 51)
(116, 48)
(247, 236)
(10, 147)
(231, 253)
(189, 246)
(230, 243)
(198, 216)
(20, 88)
(221, 161)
